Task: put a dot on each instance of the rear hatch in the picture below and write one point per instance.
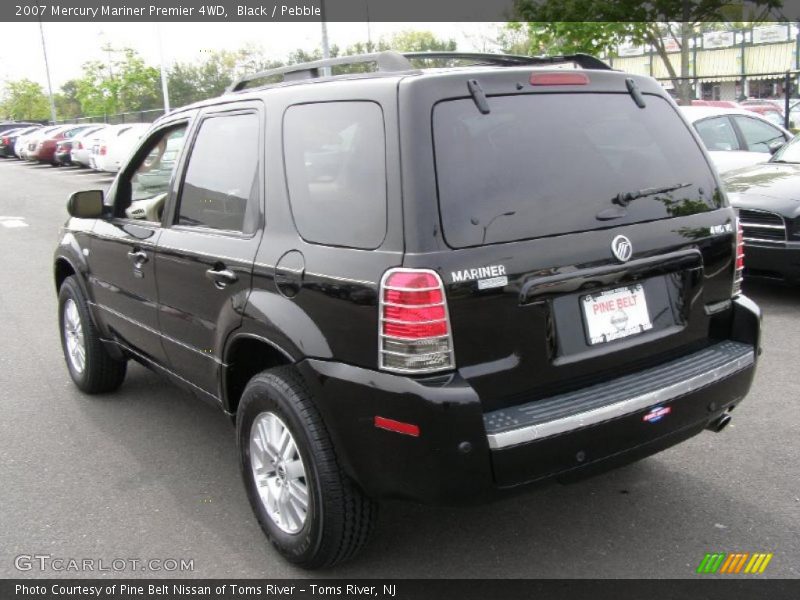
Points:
(579, 235)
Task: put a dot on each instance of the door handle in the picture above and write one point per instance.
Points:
(138, 257)
(221, 277)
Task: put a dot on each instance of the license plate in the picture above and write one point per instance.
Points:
(616, 314)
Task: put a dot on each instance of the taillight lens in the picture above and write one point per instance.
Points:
(79, 146)
(415, 333)
(738, 273)
(103, 150)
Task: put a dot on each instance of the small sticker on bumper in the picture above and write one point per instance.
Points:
(656, 414)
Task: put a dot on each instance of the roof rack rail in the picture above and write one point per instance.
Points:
(394, 62)
(385, 61)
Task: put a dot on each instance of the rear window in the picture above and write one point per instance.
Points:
(548, 164)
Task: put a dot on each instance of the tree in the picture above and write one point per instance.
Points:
(68, 105)
(24, 100)
(560, 23)
(419, 41)
(191, 82)
(123, 83)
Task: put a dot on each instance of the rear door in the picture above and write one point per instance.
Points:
(206, 252)
(573, 233)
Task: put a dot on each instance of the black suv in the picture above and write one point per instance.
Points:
(434, 284)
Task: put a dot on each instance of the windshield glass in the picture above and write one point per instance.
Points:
(547, 164)
(789, 153)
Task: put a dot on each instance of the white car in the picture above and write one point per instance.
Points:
(114, 144)
(82, 145)
(736, 138)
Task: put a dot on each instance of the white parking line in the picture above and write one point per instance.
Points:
(13, 222)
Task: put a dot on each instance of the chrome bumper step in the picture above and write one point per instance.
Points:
(616, 398)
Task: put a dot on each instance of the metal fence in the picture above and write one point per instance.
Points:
(139, 116)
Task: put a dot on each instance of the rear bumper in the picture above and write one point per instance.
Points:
(63, 158)
(464, 455)
(778, 261)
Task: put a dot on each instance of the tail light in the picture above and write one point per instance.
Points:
(738, 273)
(415, 334)
(5, 141)
(79, 146)
(103, 150)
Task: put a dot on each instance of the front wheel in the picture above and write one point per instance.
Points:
(313, 514)
(90, 365)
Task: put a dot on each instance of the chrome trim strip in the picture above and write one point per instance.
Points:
(413, 305)
(761, 226)
(405, 339)
(763, 240)
(420, 354)
(408, 289)
(412, 322)
(531, 433)
(716, 307)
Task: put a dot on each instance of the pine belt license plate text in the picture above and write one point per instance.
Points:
(616, 314)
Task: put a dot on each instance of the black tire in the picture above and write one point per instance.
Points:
(340, 517)
(101, 372)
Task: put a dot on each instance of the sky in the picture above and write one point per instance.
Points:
(69, 45)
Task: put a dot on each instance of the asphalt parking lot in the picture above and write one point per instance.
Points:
(151, 473)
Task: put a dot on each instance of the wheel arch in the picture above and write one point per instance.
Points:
(247, 354)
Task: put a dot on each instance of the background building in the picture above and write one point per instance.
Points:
(725, 65)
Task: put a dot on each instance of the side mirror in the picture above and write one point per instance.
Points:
(775, 146)
(86, 204)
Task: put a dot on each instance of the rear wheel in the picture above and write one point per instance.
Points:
(313, 514)
(89, 364)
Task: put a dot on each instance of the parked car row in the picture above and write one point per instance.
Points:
(736, 137)
(97, 146)
(759, 162)
(770, 109)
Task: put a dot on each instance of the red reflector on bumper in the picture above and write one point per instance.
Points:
(396, 426)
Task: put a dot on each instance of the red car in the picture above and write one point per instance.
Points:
(768, 110)
(717, 103)
(46, 147)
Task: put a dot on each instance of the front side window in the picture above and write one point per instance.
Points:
(221, 189)
(717, 134)
(758, 135)
(143, 194)
(335, 155)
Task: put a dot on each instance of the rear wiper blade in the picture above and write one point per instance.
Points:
(625, 198)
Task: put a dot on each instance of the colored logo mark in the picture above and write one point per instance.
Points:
(736, 562)
(656, 414)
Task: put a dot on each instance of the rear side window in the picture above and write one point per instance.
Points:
(335, 155)
(549, 164)
(717, 134)
(220, 190)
